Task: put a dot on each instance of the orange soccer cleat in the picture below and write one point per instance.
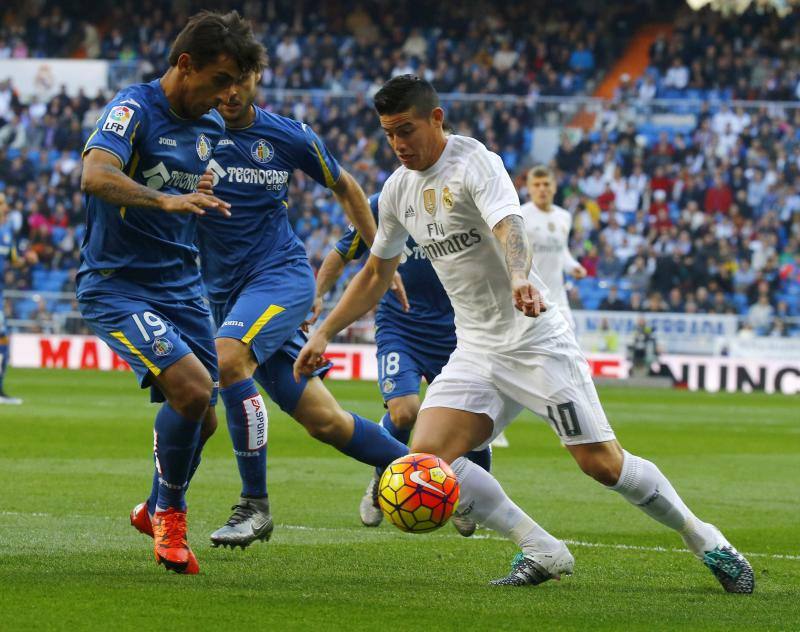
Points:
(140, 519)
(170, 545)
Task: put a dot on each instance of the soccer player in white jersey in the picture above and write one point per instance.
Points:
(514, 348)
(548, 226)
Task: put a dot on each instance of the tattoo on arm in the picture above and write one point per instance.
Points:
(116, 188)
(511, 233)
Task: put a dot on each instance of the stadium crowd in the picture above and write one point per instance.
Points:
(691, 217)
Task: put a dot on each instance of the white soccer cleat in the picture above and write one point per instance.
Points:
(532, 569)
(368, 509)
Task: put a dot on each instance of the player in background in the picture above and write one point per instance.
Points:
(515, 349)
(139, 285)
(8, 252)
(415, 336)
(261, 287)
(548, 227)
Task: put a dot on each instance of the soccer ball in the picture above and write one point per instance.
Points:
(418, 493)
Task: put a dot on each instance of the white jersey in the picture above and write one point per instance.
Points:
(548, 234)
(450, 209)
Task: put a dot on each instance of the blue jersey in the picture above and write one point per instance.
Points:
(252, 169)
(429, 322)
(8, 252)
(143, 250)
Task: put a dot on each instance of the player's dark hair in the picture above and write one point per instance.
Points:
(207, 35)
(403, 93)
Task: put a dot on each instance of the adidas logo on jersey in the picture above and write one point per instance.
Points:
(410, 212)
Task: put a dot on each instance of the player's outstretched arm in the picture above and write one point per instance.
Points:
(103, 177)
(510, 232)
(329, 273)
(355, 205)
(363, 293)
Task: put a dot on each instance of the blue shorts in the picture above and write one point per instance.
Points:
(401, 366)
(273, 332)
(276, 377)
(267, 311)
(151, 335)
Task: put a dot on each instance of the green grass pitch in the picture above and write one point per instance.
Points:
(76, 457)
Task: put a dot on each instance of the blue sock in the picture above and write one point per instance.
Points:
(401, 434)
(247, 425)
(482, 458)
(153, 498)
(372, 444)
(3, 361)
(176, 440)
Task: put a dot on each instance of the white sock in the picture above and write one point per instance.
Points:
(641, 483)
(482, 499)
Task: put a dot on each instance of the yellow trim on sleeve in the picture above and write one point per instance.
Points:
(268, 315)
(351, 251)
(121, 337)
(89, 140)
(329, 181)
(131, 171)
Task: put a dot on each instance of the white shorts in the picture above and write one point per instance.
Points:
(552, 380)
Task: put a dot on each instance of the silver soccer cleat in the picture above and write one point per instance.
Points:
(250, 521)
(369, 509)
(534, 569)
(463, 524)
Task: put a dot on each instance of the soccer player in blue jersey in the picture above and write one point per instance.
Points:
(415, 334)
(139, 285)
(8, 252)
(261, 287)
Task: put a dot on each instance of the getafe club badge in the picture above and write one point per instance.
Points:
(162, 347)
(447, 198)
(203, 147)
(429, 198)
(262, 150)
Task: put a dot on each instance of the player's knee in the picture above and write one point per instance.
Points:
(404, 414)
(209, 426)
(193, 399)
(234, 360)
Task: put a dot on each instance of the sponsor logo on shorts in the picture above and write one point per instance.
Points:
(162, 347)
(233, 323)
(262, 150)
(388, 385)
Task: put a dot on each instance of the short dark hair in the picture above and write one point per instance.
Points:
(404, 92)
(207, 35)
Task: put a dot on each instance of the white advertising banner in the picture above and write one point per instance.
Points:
(715, 374)
(760, 347)
(44, 77)
(350, 362)
(675, 333)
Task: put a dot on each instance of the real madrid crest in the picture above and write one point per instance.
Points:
(551, 227)
(262, 150)
(447, 198)
(203, 147)
(429, 199)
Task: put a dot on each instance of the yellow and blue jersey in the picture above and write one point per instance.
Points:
(428, 325)
(140, 250)
(252, 169)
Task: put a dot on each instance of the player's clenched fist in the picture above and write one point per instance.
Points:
(527, 298)
(311, 356)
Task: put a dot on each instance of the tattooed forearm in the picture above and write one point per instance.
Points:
(511, 233)
(111, 185)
